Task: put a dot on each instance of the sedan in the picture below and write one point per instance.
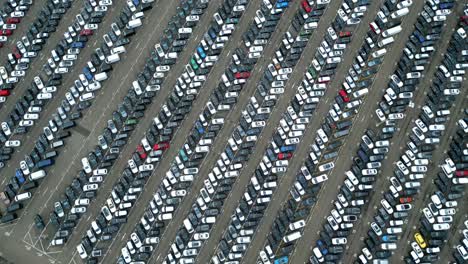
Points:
(13, 143)
(18, 73)
(417, 249)
(332, 223)
(242, 75)
(403, 207)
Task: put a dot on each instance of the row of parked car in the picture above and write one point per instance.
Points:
(281, 240)
(120, 190)
(439, 213)
(190, 158)
(275, 162)
(168, 198)
(27, 48)
(26, 109)
(125, 118)
(115, 135)
(64, 118)
(31, 108)
(10, 16)
(365, 163)
(461, 253)
(413, 164)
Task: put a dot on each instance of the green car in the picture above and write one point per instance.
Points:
(131, 122)
(39, 223)
(313, 72)
(194, 64)
(183, 155)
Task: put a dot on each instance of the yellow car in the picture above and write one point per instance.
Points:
(420, 240)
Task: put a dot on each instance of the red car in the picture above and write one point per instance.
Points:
(13, 20)
(283, 156)
(4, 92)
(406, 200)
(141, 151)
(17, 54)
(345, 34)
(306, 6)
(6, 32)
(464, 19)
(86, 32)
(242, 75)
(461, 173)
(161, 146)
(344, 95)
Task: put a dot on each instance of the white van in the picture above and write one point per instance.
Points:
(291, 237)
(186, 178)
(22, 197)
(185, 31)
(188, 226)
(118, 50)
(134, 23)
(87, 96)
(262, 200)
(202, 149)
(360, 92)
(230, 174)
(37, 175)
(100, 76)
(399, 13)
(385, 42)
(269, 185)
(392, 31)
(165, 216)
(113, 58)
(379, 53)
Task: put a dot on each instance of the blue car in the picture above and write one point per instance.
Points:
(87, 73)
(199, 127)
(201, 52)
(418, 35)
(136, 2)
(19, 176)
(322, 247)
(282, 5)
(287, 148)
(282, 260)
(447, 5)
(79, 45)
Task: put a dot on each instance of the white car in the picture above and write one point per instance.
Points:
(81, 251)
(136, 240)
(146, 167)
(90, 187)
(133, 166)
(13, 143)
(24, 167)
(86, 165)
(429, 216)
(6, 128)
(18, 73)
(201, 236)
(95, 179)
(339, 241)
(380, 114)
(78, 210)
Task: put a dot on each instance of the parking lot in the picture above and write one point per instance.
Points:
(233, 131)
